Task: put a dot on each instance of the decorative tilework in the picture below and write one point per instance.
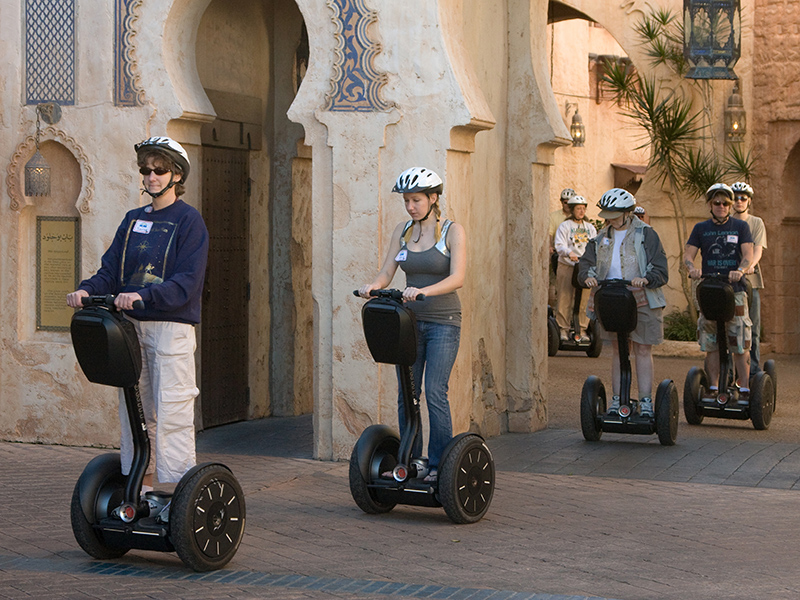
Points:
(355, 85)
(50, 51)
(126, 92)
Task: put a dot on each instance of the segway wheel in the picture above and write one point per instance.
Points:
(466, 480)
(207, 517)
(769, 369)
(381, 456)
(593, 404)
(667, 410)
(761, 399)
(596, 344)
(553, 338)
(696, 383)
(100, 489)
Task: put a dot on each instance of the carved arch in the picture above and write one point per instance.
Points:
(15, 183)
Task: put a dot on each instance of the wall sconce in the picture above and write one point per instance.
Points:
(712, 38)
(37, 171)
(576, 129)
(735, 116)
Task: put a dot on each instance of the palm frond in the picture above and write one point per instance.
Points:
(740, 162)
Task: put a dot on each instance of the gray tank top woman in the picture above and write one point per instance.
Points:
(426, 268)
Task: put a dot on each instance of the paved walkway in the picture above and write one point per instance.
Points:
(715, 516)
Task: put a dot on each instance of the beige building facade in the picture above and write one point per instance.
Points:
(298, 115)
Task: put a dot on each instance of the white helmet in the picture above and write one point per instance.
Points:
(742, 187)
(418, 179)
(567, 193)
(577, 200)
(719, 188)
(615, 202)
(169, 147)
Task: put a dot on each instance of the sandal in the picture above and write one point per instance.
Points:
(431, 477)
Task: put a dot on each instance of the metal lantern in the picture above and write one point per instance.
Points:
(735, 116)
(577, 130)
(37, 171)
(712, 32)
(37, 175)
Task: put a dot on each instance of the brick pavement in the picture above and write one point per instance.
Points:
(617, 519)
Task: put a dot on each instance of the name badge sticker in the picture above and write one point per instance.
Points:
(733, 239)
(401, 256)
(142, 226)
(606, 241)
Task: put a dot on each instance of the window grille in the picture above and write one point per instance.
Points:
(50, 51)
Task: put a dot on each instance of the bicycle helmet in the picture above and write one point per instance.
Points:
(577, 200)
(567, 193)
(615, 203)
(719, 188)
(639, 210)
(741, 187)
(170, 148)
(418, 179)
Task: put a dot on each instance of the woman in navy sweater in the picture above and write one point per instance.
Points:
(159, 256)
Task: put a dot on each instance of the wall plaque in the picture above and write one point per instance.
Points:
(57, 270)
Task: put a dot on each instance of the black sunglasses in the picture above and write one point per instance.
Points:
(158, 171)
(721, 203)
(741, 198)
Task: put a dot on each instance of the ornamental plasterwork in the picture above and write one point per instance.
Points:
(23, 153)
(355, 84)
(127, 88)
(631, 6)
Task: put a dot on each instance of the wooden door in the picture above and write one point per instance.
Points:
(224, 381)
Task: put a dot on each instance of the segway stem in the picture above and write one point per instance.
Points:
(141, 444)
(412, 417)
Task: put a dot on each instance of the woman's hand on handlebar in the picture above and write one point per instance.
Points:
(74, 298)
(125, 300)
(364, 290)
(590, 282)
(639, 282)
(410, 294)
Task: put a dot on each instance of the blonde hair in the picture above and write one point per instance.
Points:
(437, 212)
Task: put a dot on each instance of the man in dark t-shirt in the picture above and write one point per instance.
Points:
(726, 247)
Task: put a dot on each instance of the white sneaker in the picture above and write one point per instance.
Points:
(646, 407)
(614, 408)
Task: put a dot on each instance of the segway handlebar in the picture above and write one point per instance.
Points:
(107, 301)
(393, 294)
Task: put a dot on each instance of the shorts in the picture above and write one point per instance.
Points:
(739, 329)
(649, 327)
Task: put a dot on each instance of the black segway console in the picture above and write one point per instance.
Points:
(616, 308)
(466, 474)
(717, 302)
(205, 521)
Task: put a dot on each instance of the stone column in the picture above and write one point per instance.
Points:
(535, 130)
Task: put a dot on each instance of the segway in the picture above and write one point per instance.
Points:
(717, 303)
(205, 521)
(466, 473)
(593, 347)
(616, 307)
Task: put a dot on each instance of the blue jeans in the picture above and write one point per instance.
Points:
(437, 347)
(755, 317)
